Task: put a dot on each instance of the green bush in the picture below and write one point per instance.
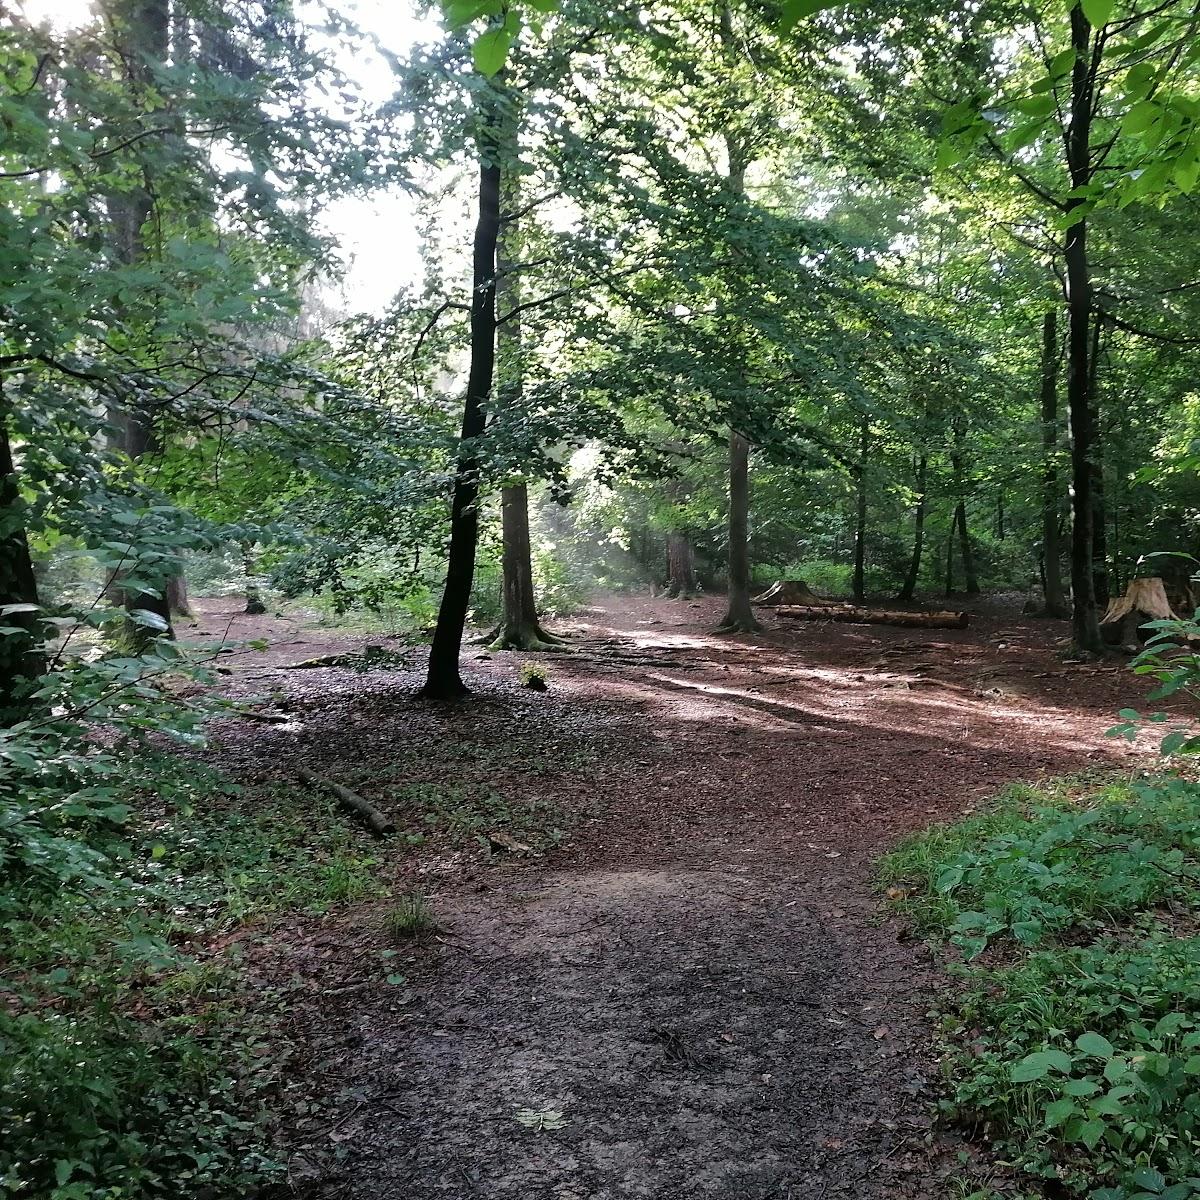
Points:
(1080, 1052)
(1039, 864)
(1087, 1061)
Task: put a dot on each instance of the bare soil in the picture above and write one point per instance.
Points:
(701, 978)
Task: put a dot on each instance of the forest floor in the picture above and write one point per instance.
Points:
(692, 965)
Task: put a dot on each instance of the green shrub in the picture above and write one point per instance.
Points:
(1087, 1062)
(1079, 1057)
(1025, 870)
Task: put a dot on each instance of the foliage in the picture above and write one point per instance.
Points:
(1029, 871)
(1079, 1046)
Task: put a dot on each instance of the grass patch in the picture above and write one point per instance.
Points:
(410, 918)
(1075, 1045)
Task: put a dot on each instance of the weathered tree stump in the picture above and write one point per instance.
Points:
(788, 591)
(1144, 600)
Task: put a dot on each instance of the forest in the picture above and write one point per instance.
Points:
(690, 697)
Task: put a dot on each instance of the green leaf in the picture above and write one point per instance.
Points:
(1095, 1044)
(1058, 1111)
(1149, 1178)
(794, 11)
(1037, 106)
(490, 51)
(1090, 1133)
(1061, 63)
(1098, 12)
(1039, 1065)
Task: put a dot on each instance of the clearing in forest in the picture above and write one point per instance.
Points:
(695, 994)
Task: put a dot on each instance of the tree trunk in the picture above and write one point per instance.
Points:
(141, 32)
(681, 566)
(968, 554)
(177, 597)
(521, 627)
(960, 513)
(443, 681)
(860, 516)
(950, 552)
(739, 617)
(914, 563)
(1085, 626)
(22, 659)
(254, 601)
(1052, 583)
(1099, 515)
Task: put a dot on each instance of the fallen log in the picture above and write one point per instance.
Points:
(788, 591)
(364, 810)
(875, 616)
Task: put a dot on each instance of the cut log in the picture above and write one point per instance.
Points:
(876, 616)
(364, 810)
(1144, 600)
(789, 591)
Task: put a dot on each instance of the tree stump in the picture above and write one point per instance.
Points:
(789, 591)
(1144, 600)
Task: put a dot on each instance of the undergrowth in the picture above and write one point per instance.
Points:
(131, 1061)
(1074, 1038)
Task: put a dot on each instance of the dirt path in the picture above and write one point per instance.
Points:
(700, 979)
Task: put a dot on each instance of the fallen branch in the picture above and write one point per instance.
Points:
(370, 816)
(876, 616)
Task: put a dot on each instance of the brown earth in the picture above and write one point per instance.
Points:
(700, 979)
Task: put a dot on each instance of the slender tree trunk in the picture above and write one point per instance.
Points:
(21, 656)
(443, 681)
(254, 601)
(909, 589)
(1052, 583)
(860, 516)
(1085, 625)
(521, 627)
(739, 616)
(960, 514)
(950, 553)
(141, 30)
(968, 553)
(1099, 506)
(1000, 530)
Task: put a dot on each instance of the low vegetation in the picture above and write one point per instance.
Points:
(1073, 1038)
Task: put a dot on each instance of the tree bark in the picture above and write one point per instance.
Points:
(860, 517)
(739, 616)
(22, 659)
(856, 614)
(254, 601)
(681, 566)
(177, 596)
(521, 627)
(950, 552)
(1099, 506)
(971, 580)
(968, 554)
(442, 680)
(908, 590)
(1085, 625)
(1052, 583)
(141, 32)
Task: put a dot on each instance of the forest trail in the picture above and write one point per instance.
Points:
(700, 980)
